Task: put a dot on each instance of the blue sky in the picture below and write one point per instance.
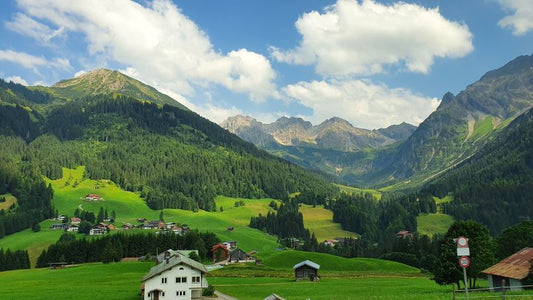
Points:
(373, 63)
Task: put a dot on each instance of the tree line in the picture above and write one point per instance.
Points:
(13, 260)
(114, 247)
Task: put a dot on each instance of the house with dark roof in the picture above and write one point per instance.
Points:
(238, 255)
(511, 271)
(306, 270)
(176, 277)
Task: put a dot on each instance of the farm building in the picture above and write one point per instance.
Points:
(238, 255)
(306, 270)
(220, 252)
(93, 197)
(176, 277)
(511, 271)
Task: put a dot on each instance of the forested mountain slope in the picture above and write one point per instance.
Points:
(495, 186)
(172, 156)
(460, 126)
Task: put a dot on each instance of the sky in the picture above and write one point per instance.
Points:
(374, 63)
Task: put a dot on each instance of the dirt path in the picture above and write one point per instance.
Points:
(223, 296)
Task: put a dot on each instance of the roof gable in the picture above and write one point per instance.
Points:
(173, 261)
(306, 263)
(516, 266)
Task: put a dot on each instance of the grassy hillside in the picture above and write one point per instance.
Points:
(71, 189)
(320, 222)
(353, 190)
(430, 224)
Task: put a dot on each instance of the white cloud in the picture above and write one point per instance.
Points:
(521, 21)
(29, 27)
(32, 62)
(17, 79)
(163, 45)
(79, 73)
(362, 103)
(355, 38)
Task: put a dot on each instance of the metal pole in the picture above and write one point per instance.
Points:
(466, 283)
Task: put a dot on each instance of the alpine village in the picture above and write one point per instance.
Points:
(111, 189)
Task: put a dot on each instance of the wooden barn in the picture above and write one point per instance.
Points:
(511, 271)
(306, 270)
(220, 252)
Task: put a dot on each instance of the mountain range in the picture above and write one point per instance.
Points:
(334, 133)
(402, 154)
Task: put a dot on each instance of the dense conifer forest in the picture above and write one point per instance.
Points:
(173, 157)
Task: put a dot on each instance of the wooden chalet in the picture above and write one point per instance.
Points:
(306, 270)
(238, 255)
(511, 271)
(220, 252)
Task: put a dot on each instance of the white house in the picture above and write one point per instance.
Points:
(176, 277)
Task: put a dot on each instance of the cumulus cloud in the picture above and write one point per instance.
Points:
(17, 79)
(33, 62)
(361, 38)
(163, 45)
(521, 21)
(363, 103)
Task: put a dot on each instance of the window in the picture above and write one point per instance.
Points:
(196, 279)
(181, 268)
(164, 280)
(181, 279)
(180, 293)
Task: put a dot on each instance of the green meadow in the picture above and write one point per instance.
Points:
(431, 224)
(70, 191)
(319, 221)
(353, 190)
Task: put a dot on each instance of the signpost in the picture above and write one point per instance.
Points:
(463, 252)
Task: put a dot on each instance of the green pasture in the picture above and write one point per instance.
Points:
(332, 288)
(88, 281)
(431, 224)
(353, 190)
(320, 222)
(10, 200)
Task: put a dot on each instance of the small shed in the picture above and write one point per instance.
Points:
(306, 270)
(511, 271)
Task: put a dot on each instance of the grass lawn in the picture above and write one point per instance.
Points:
(320, 221)
(88, 281)
(334, 288)
(430, 224)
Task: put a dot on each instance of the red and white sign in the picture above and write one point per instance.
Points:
(464, 261)
(462, 242)
(462, 246)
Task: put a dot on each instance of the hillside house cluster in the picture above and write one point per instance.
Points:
(174, 277)
(224, 252)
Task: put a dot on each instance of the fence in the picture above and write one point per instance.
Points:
(503, 292)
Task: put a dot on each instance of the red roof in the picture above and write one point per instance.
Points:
(219, 246)
(516, 266)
